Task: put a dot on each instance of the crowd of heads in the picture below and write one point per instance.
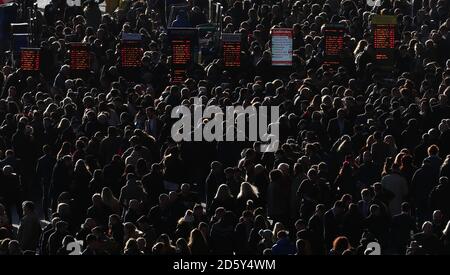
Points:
(363, 157)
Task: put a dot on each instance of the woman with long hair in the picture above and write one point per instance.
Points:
(445, 168)
(445, 239)
(204, 228)
(223, 198)
(81, 179)
(197, 243)
(359, 49)
(65, 131)
(97, 183)
(65, 150)
(111, 201)
(247, 192)
(141, 168)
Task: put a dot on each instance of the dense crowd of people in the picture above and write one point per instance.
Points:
(364, 153)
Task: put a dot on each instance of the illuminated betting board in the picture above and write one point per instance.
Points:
(231, 45)
(131, 54)
(79, 57)
(181, 51)
(334, 43)
(384, 30)
(182, 43)
(282, 47)
(30, 59)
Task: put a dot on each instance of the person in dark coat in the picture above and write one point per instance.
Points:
(439, 196)
(222, 234)
(161, 216)
(316, 227)
(80, 187)
(401, 227)
(112, 173)
(153, 183)
(55, 239)
(378, 224)
(428, 240)
(99, 211)
(29, 228)
(223, 198)
(110, 145)
(353, 224)
(61, 179)
(45, 236)
(44, 170)
(333, 223)
(215, 178)
(10, 191)
(345, 182)
(423, 181)
(339, 126)
(379, 149)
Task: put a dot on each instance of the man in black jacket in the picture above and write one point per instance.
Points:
(44, 169)
(61, 179)
(339, 126)
(333, 219)
(401, 227)
(439, 197)
(10, 191)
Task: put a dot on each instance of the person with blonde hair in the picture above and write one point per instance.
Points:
(223, 198)
(248, 194)
(111, 201)
(197, 243)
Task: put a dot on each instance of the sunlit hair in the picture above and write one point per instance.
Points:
(277, 228)
(248, 190)
(108, 196)
(223, 192)
(360, 47)
(446, 230)
(340, 244)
